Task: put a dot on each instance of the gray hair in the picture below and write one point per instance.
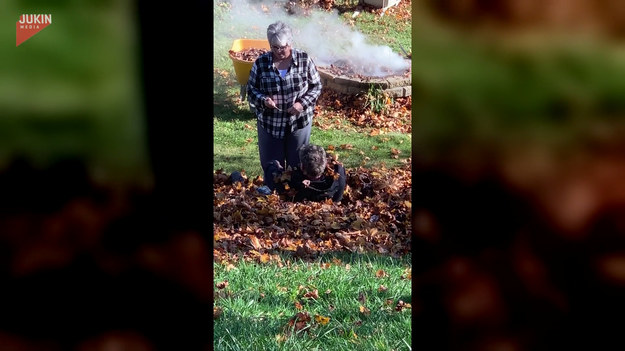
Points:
(313, 160)
(279, 33)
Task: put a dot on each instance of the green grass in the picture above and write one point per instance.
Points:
(236, 148)
(251, 321)
(385, 30)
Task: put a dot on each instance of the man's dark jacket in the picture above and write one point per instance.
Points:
(326, 187)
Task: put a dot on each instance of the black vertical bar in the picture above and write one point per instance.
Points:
(175, 43)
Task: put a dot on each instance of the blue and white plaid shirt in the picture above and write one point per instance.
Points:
(301, 84)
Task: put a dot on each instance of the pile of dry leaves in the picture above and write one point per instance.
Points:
(249, 55)
(332, 108)
(349, 69)
(374, 216)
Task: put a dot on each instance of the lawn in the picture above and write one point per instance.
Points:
(344, 302)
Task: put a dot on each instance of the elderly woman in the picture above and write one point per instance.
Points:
(283, 87)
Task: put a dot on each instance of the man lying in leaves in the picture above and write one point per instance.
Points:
(314, 180)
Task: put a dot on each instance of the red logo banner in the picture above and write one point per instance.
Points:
(29, 25)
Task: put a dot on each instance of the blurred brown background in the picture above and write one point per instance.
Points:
(104, 178)
(519, 174)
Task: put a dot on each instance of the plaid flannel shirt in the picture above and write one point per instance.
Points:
(301, 84)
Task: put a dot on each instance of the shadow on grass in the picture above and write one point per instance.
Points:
(227, 104)
(231, 163)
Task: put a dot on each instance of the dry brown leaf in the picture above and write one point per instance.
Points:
(322, 319)
(255, 242)
(217, 311)
(312, 295)
(298, 323)
(401, 305)
(264, 258)
(362, 298)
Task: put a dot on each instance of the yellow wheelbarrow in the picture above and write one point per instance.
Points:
(242, 68)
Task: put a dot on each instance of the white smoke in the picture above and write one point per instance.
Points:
(321, 34)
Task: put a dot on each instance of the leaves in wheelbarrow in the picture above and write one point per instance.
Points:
(250, 54)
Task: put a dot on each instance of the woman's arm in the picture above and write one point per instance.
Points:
(254, 95)
(314, 86)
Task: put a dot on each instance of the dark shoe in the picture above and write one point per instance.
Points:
(264, 190)
(236, 177)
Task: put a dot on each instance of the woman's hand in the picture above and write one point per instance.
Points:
(296, 109)
(270, 103)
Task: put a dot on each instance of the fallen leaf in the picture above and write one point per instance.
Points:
(380, 273)
(255, 242)
(312, 295)
(217, 311)
(364, 310)
(362, 298)
(222, 285)
(264, 258)
(322, 320)
(298, 323)
(401, 305)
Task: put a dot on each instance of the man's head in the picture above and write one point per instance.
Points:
(312, 160)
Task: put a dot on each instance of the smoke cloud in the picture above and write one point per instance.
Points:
(321, 34)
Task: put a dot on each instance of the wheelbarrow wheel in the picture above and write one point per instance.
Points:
(243, 92)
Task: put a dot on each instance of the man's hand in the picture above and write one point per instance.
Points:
(296, 109)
